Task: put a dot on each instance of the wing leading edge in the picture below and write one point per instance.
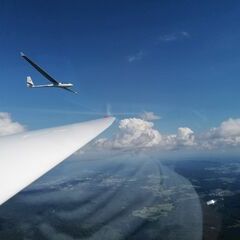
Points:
(26, 157)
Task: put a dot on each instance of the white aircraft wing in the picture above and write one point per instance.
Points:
(39, 69)
(27, 156)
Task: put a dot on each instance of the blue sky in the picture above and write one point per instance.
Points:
(179, 59)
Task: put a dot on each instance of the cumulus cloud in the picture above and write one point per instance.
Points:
(171, 37)
(136, 133)
(186, 136)
(133, 133)
(149, 116)
(227, 134)
(8, 126)
(229, 128)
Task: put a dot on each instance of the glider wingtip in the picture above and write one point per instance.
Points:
(111, 119)
(22, 54)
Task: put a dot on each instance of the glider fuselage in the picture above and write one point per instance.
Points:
(61, 85)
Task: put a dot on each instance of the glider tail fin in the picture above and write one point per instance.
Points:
(30, 82)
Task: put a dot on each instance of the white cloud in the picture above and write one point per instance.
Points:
(171, 37)
(186, 137)
(135, 133)
(8, 126)
(226, 135)
(229, 128)
(135, 57)
(149, 116)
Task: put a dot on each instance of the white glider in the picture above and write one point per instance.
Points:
(27, 156)
(54, 82)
